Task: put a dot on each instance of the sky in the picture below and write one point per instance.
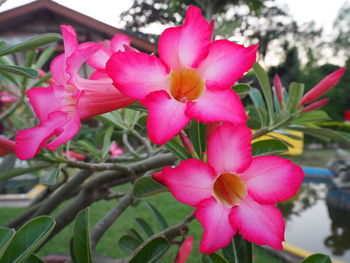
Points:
(322, 11)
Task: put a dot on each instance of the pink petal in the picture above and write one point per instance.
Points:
(29, 142)
(186, 45)
(323, 86)
(214, 217)
(278, 88)
(99, 74)
(190, 182)
(39, 98)
(218, 105)
(261, 224)
(119, 41)
(69, 39)
(229, 149)
(6, 146)
(226, 63)
(272, 179)
(79, 56)
(58, 69)
(137, 74)
(99, 97)
(184, 250)
(99, 59)
(166, 116)
(65, 132)
(316, 105)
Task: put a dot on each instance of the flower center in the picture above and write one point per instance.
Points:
(186, 85)
(229, 189)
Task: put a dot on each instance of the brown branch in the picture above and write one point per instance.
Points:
(97, 166)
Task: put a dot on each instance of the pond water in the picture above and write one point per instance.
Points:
(314, 226)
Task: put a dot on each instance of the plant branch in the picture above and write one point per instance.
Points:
(97, 166)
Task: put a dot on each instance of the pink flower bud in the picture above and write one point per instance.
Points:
(184, 250)
(74, 155)
(315, 105)
(186, 142)
(115, 151)
(6, 146)
(322, 87)
(278, 88)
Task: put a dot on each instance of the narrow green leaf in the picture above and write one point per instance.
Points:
(25, 72)
(89, 147)
(312, 116)
(198, 133)
(214, 258)
(144, 226)
(242, 89)
(229, 252)
(146, 186)
(268, 147)
(11, 77)
(113, 118)
(132, 232)
(257, 98)
(107, 140)
(176, 147)
(151, 252)
(6, 236)
(264, 82)
(323, 133)
(30, 57)
(317, 258)
(81, 238)
(44, 57)
(46, 77)
(19, 171)
(31, 43)
(295, 93)
(244, 250)
(137, 106)
(27, 239)
(160, 219)
(50, 178)
(128, 243)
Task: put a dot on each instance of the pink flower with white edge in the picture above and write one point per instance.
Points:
(234, 192)
(115, 151)
(61, 107)
(191, 79)
(98, 60)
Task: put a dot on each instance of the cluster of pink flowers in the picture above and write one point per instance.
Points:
(191, 79)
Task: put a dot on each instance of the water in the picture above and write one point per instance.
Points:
(312, 225)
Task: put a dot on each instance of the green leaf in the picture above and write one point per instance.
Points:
(213, 258)
(89, 147)
(312, 116)
(268, 147)
(50, 178)
(146, 186)
(295, 93)
(42, 80)
(113, 118)
(44, 57)
(31, 43)
(81, 238)
(30, 57)
(34, 259)
(160, 219)
(151, 252)
(323, 133)
(198, 132)
(242, 90)
(6, 236)
(264, 82)
(132, 232)
(229, 252)
(176, 147)
(25, 72)
(107, 140)
(27, 239)
(144, 226)
(128, 243)
(19, 171)
(137, 106)
(317, 258)
(257, 98)
(244, 250)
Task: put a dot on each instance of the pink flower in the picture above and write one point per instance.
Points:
(234, 192)
(6, 146)
(184, 250)
(192, 77)
(74, 155)
(99, 59)
(321, 88)
(61, 107)
(278, 88)
(115, 150)
(316, 105)
(7, 97)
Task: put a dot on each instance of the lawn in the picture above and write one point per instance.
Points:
(172, 210)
